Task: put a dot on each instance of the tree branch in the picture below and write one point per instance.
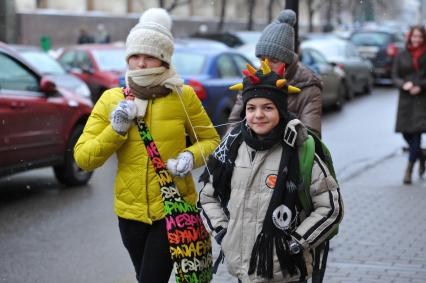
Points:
(177, 3)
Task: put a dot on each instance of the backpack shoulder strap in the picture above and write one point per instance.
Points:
(306, 162)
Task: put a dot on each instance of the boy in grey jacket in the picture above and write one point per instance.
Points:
(250, 199)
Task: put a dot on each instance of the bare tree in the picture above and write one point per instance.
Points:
(90, 5)
(173, 5)
(270, 10)
(313, 6)
(251, 6)
(222, 15)
(177, 3)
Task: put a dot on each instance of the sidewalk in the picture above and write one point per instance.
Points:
(383, 234)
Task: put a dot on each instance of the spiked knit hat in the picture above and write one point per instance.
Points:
(264, 83)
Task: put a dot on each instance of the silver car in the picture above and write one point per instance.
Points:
(334, 86)
(343, 54)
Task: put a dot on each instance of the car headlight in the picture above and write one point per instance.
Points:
(83, 90)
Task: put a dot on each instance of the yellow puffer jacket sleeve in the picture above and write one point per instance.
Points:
(99, 141)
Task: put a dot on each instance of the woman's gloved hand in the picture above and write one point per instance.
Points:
(182, 165)
(122, 116)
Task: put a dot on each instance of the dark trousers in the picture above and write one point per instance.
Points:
(148, 248)
(414, 142)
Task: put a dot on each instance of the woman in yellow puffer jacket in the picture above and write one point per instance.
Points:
(171, 110)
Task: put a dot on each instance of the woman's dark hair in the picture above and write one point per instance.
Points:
(419, 28)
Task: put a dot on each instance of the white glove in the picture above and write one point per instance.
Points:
(122, 116)
(182, 165)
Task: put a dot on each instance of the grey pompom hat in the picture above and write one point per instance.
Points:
(277, 39)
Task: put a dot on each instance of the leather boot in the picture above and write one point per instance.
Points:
(422, 161)
(408, 173)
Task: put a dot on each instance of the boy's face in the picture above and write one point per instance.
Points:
(262, 116)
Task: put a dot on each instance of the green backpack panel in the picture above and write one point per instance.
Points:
(313, 145)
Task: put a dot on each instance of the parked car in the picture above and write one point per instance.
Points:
(99, 65)
(248, 50)
(50, 68)
(333, 77)
(380, 47)
(342, 53)
(39, 121)
(231, 38)
(210, 68)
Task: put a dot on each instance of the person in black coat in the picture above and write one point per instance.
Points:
(409, 75)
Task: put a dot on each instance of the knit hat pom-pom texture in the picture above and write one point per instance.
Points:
(288, 17)
(157, 15)
(152, 36)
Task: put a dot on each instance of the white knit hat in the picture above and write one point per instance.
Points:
(151, 36)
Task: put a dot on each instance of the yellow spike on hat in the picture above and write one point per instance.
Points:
(293, 89)
(238, 86)
(265, 67)
(251, 69)
(280, 83)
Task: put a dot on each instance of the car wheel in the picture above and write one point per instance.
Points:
(350, 92)
(368, 87)
(341, 93)
(69, 173)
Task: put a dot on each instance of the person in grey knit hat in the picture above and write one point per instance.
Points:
(277, 44)
(277, 39)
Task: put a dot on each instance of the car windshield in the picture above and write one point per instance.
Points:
(330, 49)
(249, 36)
(110, 59)
(187, 63)
(370, 38)
(43, 63)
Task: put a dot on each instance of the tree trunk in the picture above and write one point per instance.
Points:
(310, 15)
(251, 5)
(270, 10)
(222, 15)
(90, 5)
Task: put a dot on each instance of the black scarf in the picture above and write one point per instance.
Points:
(284, 198)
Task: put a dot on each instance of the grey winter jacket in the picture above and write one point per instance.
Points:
(411, 115)
(307, 105)
(248, 203)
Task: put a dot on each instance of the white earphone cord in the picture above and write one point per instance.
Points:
(193, 128)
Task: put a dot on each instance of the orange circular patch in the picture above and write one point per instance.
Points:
(271, 180)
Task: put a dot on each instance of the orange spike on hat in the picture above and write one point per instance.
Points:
(280, 83)
(251, 69)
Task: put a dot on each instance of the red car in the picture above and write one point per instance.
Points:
(39, 122)
(98, 65)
